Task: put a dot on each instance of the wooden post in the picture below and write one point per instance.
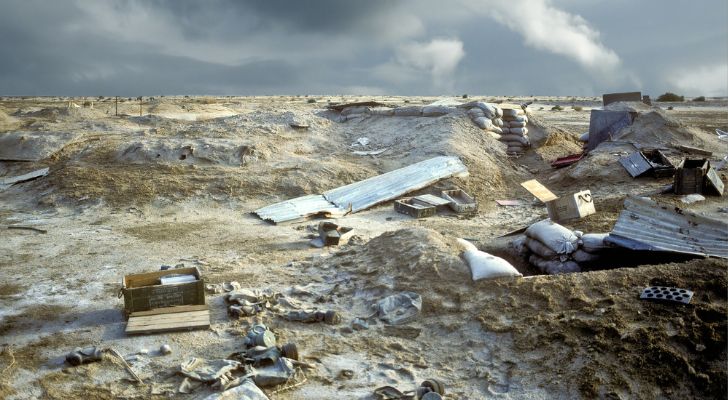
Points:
(140, 106)
(117, 106)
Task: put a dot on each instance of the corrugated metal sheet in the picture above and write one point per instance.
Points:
(297, 209)
(647, 225)
(364, 194)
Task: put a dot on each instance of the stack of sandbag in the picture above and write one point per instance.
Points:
(514, 131)
(550, 246)
(555, 249)
(591, 247)
(354, 112)
(486, 116)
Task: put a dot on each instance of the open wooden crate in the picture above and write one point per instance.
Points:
(153, 307)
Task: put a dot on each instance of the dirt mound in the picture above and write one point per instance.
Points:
(559, 143)
(412, 139)
(656, 128)
(592, 329)
(413, 259)
(206, 151)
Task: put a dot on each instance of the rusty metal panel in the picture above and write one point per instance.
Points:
(647, 225)
(369, 192)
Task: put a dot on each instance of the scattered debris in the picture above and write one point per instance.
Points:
(399, 308)
(329, 317)
(361, 195)
(722, 135)
(562, 162)
(653, 162)
(647, 225)
(93, 354)
(7, 182)
(225, 287)
(431, 389)
(330, 234)
(692, 198)
(362, 141)
(661, 293)
(28, 228)
(577, 205)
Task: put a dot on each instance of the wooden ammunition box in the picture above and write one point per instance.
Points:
(143, 292)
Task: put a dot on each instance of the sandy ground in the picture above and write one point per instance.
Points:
(121, 198)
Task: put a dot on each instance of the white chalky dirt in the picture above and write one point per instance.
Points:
(112, 207)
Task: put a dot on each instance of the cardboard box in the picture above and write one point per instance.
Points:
(143, 292)
(574, 206)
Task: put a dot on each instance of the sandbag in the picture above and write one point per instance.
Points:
(483, 265)
(516, 124)
(496, 129)
(519, 131)
(515, 138)
(436, 111)
(475, 113)
(494, 135)
(386, 111)
(519, 118)
(408, 111)
(355, 110)
(512, 112)
(518, 145)
(498, 112)
(594, 242)
(559, 239)
(552, 267)
(488, 109)
(505, 130)
(540, 249)
(344, 118)
(498, 122)
(514, 149)
(581, 256)
(483, 123)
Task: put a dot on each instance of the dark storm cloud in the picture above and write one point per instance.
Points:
(540, 47)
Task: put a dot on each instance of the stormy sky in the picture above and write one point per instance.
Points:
(407, 47)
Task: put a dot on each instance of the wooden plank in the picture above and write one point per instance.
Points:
(170, 310)
(204, 320)
(171, 322)
(540, 191)
(151, 319)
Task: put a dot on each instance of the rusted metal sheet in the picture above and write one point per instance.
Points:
(369, 192)
(647, 225)
(566, 161)
(298, 209)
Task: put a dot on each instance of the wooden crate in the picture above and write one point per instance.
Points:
(414, 208)
(460, 202)
(143, 292)
(574, 206)
(690, 176)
